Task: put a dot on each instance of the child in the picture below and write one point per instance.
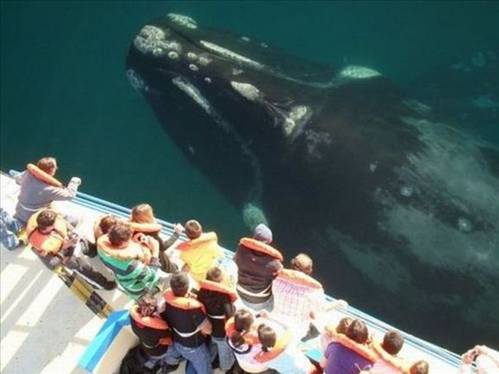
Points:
(218, 300)
(200, 252)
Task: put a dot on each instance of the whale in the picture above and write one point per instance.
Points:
(399, 208)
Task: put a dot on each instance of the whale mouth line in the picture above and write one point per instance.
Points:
(187, 87)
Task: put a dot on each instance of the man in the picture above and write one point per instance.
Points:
(258, 264)
(39, 188)
(134, 262)
(187, 318)
(53, 240)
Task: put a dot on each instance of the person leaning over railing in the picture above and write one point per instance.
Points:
(39, 188)
(485, 358)
(134, 261)
(200, 252)
(258, 264)
(54, 241)
(142, 220)
(349, 353)
(299, 299)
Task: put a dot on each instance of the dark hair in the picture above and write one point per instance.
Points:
(119, 234)
(357, 331)
(107, 222)
(342, 326)
(214, 274)
(392, 342)
(179, 283)
(46, 218)
(147, 305)
(302, 262)
(267, 337)
(47, 164)
(193, 229)
(243, 319)
(420, 367)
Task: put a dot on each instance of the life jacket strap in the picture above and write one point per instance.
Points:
(265, 292)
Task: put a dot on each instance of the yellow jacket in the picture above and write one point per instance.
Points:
(201, 254)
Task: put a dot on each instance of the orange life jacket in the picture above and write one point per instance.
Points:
(261, 247)
(280, 345)
(134, 250)
(42, 176)
(218, 287)
(298, 278)
(363, 350)
(51, 242)
(145, 227)
(151, 322)
(250, 337)
(396, 362)
(185, 303)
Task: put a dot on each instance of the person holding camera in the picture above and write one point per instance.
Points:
(486, 360)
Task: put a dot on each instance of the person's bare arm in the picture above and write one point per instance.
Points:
(206, 327)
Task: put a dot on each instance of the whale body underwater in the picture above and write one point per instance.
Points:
(399, 210)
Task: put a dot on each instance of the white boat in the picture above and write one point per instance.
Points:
(46, 329)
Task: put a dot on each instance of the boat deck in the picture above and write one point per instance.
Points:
(46, 329)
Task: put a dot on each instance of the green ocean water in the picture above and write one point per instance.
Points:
(64, 91)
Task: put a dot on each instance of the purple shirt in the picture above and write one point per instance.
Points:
(342, 360)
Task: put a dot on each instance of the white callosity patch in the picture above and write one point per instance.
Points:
(203, 60)
(190, 90)
(173, 55)
(358, 72)
(233, 56)
(245, 39)
(236, 71)
(193, 92)
(297, 116)
(247, 90)
(152, 40)
(136, 80)
(193, 67)
(182, 20)
(191, 56)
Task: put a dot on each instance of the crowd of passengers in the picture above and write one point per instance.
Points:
(191, 304)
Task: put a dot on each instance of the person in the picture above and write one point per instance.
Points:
(420, 367)
(142, 220)
(190, 326)
(258, 264)
(281, 354)
(101, 227)
(299, 299)
(39, 188)
(153, 332)
(330, 332)
(134, 262)
(218, 299)
(388, 362)
(53, 241)
(302, 262)
(200, 252)
(485, 358)
(349, 354)
(242, 338)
